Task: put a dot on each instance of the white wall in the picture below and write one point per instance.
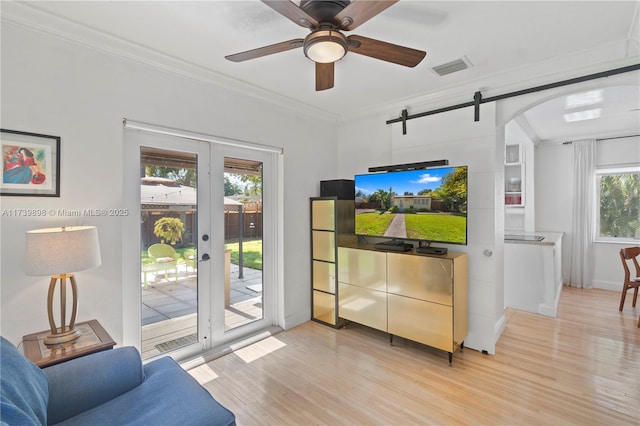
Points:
(456, 137)
(55, 87)
(553, 194)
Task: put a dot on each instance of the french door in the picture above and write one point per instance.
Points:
(175, 248)
(206, 232)
(244, 179)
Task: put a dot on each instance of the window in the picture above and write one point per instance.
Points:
(618, 204)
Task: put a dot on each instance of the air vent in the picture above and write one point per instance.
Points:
(451, 67)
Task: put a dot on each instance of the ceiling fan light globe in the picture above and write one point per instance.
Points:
(325, 52)
(325, 46)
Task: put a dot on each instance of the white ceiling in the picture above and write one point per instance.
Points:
(619, 109)
(511, 45)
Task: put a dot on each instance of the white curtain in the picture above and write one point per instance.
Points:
(583, 155)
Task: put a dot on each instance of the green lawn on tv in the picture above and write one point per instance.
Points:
(373, 223)
(434, 227)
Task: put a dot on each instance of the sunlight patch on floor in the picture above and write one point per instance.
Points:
(256, 351)
(203, 374)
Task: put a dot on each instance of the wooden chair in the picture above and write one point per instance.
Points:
(630, 282)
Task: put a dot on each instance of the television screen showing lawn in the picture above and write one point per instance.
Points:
(427, 205)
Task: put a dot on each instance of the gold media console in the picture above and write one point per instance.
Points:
(416, 296)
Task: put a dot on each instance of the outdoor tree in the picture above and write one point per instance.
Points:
(169, 229)
(620, 205)
(186, 177)
(254, 186)
(231, 188)
(383, 197)
(453, 191)
(390, 196)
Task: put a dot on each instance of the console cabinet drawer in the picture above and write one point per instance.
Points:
(420, 321)
(362, 268)
(420, 277)
(362, 305)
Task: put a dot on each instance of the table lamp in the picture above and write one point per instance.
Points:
(59, 252)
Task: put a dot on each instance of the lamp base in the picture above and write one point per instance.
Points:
(67, 333)
(58, 338)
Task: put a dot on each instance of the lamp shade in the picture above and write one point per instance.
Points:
(54, 251)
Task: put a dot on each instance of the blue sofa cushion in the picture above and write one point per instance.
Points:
(168, 396)
(24, 389)
(91, 380)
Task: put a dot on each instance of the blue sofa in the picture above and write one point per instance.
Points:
(112, 387)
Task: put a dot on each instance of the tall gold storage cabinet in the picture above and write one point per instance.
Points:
(332, 222)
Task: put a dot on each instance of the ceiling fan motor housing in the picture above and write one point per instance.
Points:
(323, 10)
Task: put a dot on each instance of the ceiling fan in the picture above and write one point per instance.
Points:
(326, 44)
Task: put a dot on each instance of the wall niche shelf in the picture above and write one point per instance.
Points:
(514, 169)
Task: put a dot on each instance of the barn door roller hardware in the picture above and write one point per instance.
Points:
(478, 99)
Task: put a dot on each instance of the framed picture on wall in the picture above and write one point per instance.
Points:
(30, 164)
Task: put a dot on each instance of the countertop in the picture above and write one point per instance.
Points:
(550, 238)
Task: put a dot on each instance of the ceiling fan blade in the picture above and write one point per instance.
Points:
(359, 12)
(324, 76)
(291, 11)
(266, 50)
(385, 51)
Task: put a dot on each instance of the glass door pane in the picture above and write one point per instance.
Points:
(168, 256)
(243, 238)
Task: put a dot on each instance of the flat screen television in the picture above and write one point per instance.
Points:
(425, 205)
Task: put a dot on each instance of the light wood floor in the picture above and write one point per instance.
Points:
(581, 368)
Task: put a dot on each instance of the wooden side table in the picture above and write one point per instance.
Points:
(93, 339)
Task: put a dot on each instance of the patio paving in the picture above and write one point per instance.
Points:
(166, 299)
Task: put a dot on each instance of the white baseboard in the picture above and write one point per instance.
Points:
(498, 329)
(551, 311)
(608, 285)
(296, 319)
